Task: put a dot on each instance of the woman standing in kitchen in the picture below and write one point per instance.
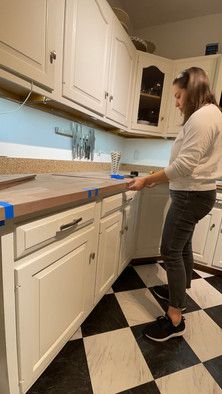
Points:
(195, 164)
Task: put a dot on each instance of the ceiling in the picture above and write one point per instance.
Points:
(145, 13)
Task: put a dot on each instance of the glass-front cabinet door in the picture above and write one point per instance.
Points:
(152, 90)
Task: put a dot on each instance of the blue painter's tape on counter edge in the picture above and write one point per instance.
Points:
(89, 190)
(9, 209)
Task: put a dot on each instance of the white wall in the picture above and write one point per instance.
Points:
(30, 133)
(152, 152)
(186, 38)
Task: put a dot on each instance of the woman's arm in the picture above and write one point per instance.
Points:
(149, 180)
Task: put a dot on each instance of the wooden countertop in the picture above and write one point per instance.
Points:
(53, 190)
(50, 191)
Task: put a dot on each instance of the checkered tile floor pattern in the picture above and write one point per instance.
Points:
(110, 355)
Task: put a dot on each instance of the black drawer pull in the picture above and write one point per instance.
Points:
(64, 226)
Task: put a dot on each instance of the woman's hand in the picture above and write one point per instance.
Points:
(148, 181)
(137, 184)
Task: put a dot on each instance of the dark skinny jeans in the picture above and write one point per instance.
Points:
(186, 209)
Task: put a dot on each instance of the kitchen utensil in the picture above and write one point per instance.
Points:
(115, 160)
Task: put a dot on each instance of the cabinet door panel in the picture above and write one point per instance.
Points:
(200, 238)
(61, 301)
(27, 36)
(108, 256)
(122, 67)
(205, 237)
(128, 239)
(86, 52)
(217, 260)
(51, 300)
(153, 208)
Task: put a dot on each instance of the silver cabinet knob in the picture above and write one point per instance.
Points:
(91, 257)
(52, 56)
(110, 98)
(212, 226)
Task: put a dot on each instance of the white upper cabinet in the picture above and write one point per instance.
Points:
(154, 76)
(86, 52)
(27, 39)
(207, 63)
(98, 60)
(122, 66)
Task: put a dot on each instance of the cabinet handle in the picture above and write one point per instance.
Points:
(110, 98)
(126, 202)
(126, 228)
(162, 118)
(91, 257)
(75, 221)
(211, 227)
(52, 56)
(106, 94)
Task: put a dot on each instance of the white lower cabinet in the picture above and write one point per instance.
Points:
(128, 232)
(153, 207)
(54, 292)
(207, 239)
(108, 254)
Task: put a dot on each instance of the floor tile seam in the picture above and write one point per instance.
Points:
(220, 292)
(179, 370)
(104, 332)
(212, 318)
(183, 369)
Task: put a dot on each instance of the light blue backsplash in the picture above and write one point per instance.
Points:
(35, 129)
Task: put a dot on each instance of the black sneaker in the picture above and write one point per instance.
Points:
(163, 293)
(163, 329)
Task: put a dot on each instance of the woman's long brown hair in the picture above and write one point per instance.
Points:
(196, 83)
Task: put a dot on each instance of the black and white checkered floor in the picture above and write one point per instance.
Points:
(110, 355)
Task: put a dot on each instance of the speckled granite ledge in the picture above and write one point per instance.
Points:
(13, 165)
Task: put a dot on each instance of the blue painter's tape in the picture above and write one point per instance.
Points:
(9, 209)
(90, 190)
(116, 176)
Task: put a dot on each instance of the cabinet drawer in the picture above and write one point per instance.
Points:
(39, 232)
(111, 203)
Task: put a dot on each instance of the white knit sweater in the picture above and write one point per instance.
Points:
(196, 157)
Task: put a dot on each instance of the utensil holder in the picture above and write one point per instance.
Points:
(115, 161)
